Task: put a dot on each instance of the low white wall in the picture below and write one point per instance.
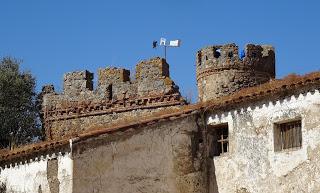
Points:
(32, 177)
(65, 174)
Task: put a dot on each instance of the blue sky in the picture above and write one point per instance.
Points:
(54, 37)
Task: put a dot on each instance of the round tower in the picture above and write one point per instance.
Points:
(221, 70)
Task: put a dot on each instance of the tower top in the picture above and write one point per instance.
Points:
(221, 69)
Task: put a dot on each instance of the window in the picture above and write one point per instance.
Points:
(217, 53)
(254, 55)
(218, 140)
(287, 135)
(199, 58)
(109, 92)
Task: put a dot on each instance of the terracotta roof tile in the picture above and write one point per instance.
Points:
(284, 87)
(28, 151)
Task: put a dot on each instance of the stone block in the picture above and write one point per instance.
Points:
(77, 82)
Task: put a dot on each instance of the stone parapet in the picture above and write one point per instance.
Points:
(221, 57)
(77, 82)
(222, 70)
(116, 93)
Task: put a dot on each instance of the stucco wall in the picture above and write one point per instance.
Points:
(252, 165)
(157, 158)
(42, 175)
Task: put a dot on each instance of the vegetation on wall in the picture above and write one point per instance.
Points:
(19, 115)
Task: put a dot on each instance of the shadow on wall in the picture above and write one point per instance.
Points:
(213, 186)
(3, 188)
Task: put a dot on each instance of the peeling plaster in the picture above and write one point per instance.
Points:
(252, 164)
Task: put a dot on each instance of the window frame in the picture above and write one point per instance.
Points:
(287, 135)
(216, 141)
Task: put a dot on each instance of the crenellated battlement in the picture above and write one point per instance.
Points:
(115, 93)
(152, 78)
(74, 83)
(111, 75)
(152, 69)
(260, 58)
(215, 63)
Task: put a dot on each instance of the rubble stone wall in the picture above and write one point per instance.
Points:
(116, 98)
(252, 165)
(222, 71)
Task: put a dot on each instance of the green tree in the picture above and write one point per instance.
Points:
(19, 122)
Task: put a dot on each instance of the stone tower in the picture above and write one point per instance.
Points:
(222, 71)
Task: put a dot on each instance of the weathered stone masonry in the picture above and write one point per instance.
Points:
(221, 71)
(116, 98)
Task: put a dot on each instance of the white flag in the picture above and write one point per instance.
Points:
(163, 41)
(175, 43)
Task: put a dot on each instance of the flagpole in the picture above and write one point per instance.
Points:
(173, 43)
(165, 52)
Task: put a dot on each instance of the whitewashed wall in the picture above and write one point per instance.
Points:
(65, 174)
(32, 177)
(252, 165)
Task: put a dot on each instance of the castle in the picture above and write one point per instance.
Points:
(248, 133)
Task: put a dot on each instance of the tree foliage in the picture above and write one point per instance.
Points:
(19, 121)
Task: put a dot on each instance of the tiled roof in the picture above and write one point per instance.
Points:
(274, 89)
(291, 84)
(30, 151)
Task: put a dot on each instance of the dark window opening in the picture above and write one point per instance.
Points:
(217, 53)
(206, 57)
(287, 135)
(199, 58)
(230, 54)
(109, 92)
(218, 140)
(254, 55)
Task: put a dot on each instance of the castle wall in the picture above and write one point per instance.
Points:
(117, 98)
(74, 126)
(252, 165)
(157, 158)
(45, 175)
